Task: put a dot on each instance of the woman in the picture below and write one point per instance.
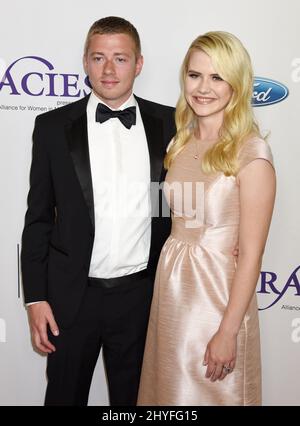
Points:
(203, 336)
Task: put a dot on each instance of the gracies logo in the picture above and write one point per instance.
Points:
(35, 76)
(270, 286)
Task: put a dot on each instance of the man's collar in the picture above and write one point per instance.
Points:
(95, 100)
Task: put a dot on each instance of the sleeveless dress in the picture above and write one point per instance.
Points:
(192, 285)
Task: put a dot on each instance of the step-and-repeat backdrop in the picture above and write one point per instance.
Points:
(41, 45)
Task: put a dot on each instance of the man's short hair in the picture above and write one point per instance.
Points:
(114, 25)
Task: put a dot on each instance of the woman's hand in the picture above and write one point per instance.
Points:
(220, 355)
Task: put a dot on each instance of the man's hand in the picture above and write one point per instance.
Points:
(40, 315)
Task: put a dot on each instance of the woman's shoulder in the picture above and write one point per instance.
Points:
(254, 148)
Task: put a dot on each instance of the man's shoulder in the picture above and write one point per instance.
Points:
(64, 112)
(154, 107)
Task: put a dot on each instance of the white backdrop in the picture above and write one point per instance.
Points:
(55, 31)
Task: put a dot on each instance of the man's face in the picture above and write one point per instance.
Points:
(112, 65)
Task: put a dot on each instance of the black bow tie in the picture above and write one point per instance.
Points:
(126, 116)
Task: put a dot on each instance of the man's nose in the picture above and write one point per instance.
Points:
(109, 67)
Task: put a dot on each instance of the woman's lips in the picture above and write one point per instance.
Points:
(203, 101)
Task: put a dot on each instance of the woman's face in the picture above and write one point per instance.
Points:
(205, 91)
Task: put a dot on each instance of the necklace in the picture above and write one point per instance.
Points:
(205, 144)
(196, 155)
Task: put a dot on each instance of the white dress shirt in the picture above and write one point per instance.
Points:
(120, 169)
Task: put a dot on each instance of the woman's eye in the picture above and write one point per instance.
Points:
(217, 78)
(192, 75)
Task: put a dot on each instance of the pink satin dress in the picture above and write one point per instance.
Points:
(192, 285)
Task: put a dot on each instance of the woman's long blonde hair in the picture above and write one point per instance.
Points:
(232, 62)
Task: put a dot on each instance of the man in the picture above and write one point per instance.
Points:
(88, 258)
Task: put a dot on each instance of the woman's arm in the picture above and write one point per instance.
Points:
(257, 194)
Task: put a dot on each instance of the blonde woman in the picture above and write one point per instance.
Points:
(203, 345)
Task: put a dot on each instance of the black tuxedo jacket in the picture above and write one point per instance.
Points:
(58, 235)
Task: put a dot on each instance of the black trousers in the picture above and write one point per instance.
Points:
(114, 319)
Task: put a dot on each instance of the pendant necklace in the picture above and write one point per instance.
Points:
(196, 156)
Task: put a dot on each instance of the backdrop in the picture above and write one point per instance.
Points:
(41, 48)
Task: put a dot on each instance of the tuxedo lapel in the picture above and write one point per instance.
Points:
(79, 150)
(154, 133)
(154, 130)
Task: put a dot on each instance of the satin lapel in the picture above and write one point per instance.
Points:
(155, 138)
(154, 133)
(79, 150)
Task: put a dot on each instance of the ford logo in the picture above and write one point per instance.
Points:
(268, 92)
